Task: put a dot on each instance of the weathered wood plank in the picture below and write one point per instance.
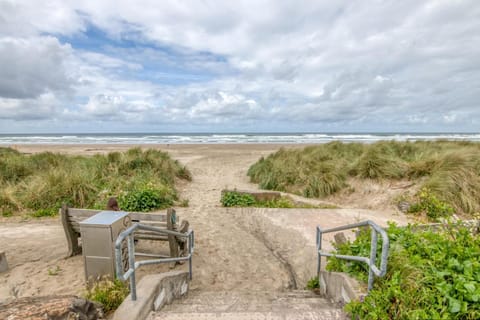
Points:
(161, 217)
(70, 234)
(145, 232)
(151, 237)
(171, 221)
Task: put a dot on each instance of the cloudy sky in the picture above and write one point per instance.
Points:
(239, 66)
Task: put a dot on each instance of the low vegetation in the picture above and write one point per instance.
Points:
(430, 275)
(449, 172)
(38, 184)
(237, 199)
(108, 293)
(313, 283)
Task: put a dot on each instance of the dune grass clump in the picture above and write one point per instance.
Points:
(449, 170)
(312, 172)
(39, 184)
(110, 294)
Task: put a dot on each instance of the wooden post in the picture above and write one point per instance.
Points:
(70, 234)
(172, 241)
(181, 240)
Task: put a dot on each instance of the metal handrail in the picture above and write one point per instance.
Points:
(130, 273)
(373, 270)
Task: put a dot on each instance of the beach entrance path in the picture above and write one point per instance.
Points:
(237, 250)
(227, 257)
(250, 248)
(250, 262)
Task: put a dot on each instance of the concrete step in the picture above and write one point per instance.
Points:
(296, 304)
(308, 315)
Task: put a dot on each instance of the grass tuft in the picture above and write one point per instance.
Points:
(109, 293)
(39, 184)
(449, 170)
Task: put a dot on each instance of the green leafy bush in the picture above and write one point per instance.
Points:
(109, 293)
(430, 275)
(235, 199)
(360, 247)
(147, 198)
(313, 283)
(431, 205)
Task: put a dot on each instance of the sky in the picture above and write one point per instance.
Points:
(239, 66)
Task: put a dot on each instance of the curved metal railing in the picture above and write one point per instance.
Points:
(133, 265)
(370, 261)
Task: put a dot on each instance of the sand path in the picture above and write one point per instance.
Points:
(227, 256)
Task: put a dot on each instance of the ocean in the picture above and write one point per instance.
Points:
(218, 138)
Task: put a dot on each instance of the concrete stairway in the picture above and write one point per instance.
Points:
(235, 305)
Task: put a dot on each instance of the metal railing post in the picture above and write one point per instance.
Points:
(190, 244)
(373, 256)
(319, 247)
(370, 261)
(129, 235)
(131, 264)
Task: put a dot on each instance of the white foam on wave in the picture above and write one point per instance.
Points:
(292, 138)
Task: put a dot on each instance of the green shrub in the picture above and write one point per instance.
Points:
(45, 213)
(109, 293)
(313, 283)
(431, 205)
(430, 275)
(235, 199)
(147, 198)
(7, 213)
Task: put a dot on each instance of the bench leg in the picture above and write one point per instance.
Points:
(70, 234)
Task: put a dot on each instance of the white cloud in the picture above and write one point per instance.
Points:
(367, 65)
(26, 18)
(46, 106)
(32, 66)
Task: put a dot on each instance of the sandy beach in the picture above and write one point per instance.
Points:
(236, 249)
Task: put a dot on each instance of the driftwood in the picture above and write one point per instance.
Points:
(71, 218)
(51, 307)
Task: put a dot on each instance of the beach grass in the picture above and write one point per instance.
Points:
(39, 184)
(449, 170)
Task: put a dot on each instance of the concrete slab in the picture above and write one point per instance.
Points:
(153, 292)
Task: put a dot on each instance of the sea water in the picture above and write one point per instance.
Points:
(219, 138)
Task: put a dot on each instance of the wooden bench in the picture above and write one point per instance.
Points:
(71, 218)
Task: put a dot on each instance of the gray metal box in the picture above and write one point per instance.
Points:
(99, 234)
